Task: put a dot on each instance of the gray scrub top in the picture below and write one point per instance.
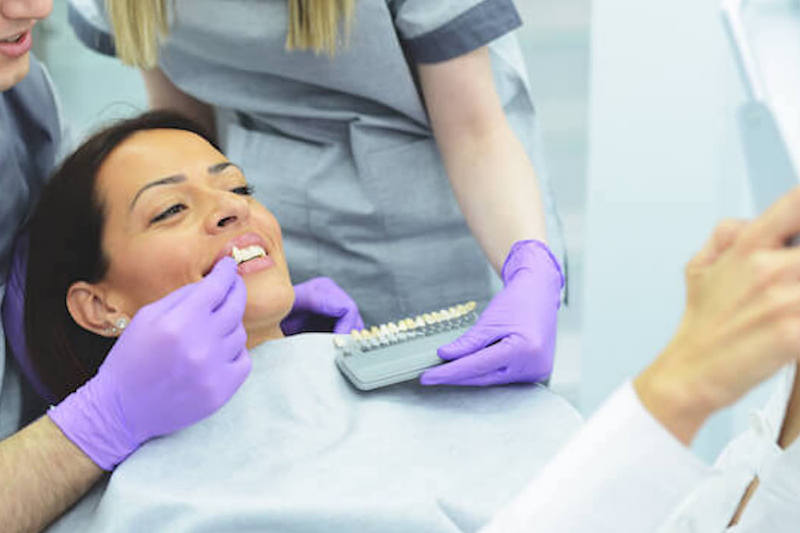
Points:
(341, 150)
(30, 136)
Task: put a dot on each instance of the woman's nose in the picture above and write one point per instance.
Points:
(230, 210)
(25, 9)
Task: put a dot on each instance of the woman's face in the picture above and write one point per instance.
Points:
(173, 207)
(17, 18)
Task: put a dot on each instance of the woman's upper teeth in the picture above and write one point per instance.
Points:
(240, 255)
(12, 39)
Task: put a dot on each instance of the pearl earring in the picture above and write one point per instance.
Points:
(120, 324)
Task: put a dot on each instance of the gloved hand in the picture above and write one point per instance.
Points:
(321, 305)
(514, 338)
(179, 360)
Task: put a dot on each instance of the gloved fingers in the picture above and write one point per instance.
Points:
(171, 300)
(491, 359)
(303, 292)
(331, 299)
(231, 345)
(321, 296)
(350, 321)
(231, 377)
(475, 338)
(294, 323)
(230, 313)
(496, 377)
(212, 291)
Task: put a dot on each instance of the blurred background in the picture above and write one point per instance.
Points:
(638, 103)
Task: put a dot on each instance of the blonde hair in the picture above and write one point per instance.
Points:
(141, 25)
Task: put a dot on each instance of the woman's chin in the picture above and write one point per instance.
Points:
(270, 296)
(264, 324)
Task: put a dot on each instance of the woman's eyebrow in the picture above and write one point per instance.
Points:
(217, 168)
(177, 178)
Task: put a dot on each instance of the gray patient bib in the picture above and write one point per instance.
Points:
(298, 449)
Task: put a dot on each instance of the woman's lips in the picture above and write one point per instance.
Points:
(243, 241)
(255, 265)
(18, 48)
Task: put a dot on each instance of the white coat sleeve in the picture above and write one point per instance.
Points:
(775, 506)
(622, 472)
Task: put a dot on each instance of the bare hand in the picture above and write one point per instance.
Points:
(741, 323)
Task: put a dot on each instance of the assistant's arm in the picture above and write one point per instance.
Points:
(49, 475)
(496, 187)
(163, 94)
(492, 177)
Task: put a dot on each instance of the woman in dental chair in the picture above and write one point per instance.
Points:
(150, 205)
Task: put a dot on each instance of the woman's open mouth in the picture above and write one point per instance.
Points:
(248, 253)
(251, 258)
(249, 250)
(17, 45)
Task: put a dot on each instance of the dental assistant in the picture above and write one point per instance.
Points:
(395, 141)
(49, 464)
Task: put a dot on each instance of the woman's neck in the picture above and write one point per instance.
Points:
(256, 336)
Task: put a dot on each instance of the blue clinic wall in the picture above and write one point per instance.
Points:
(664, 166)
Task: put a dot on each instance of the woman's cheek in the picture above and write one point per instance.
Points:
(170, 268)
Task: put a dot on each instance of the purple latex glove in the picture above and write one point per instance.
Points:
(514, 338)
(321, 305)
(180, 359)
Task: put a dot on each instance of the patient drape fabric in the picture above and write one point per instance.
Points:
(298, 449)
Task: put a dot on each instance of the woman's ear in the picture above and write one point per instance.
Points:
(90, 309)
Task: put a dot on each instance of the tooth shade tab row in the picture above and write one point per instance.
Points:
(405, 329)
(240, 255)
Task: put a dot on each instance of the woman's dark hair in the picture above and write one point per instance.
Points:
(66, 246)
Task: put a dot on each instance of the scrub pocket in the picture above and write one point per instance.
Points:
(435, 259)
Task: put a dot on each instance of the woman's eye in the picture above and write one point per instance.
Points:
(245, 190)
(173, 210)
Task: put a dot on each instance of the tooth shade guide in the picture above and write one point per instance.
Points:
(407, 329)
(240, 255)
(401, 350)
